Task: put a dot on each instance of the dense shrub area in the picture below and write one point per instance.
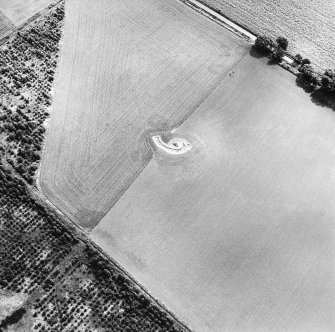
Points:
(70, 285)
(27, 67)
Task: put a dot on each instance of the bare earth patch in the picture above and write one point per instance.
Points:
(10, 302)
(174, 146)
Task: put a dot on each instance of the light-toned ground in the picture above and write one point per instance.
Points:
(6, 26)
(309, 25)
(19, 11)
(238, 233)
(175, 146)
(9, 303)
(127, 69)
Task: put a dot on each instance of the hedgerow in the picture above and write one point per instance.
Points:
(311, 78)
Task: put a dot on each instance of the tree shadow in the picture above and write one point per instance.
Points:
(302, 84)
(273, 62)
(256, 54)
(323, 99)
(318, 96)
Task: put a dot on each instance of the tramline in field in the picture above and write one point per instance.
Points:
(153, 63)
(235, 233)
(242, 222)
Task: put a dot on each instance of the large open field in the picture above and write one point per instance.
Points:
(309, 25)
(127, 68)
(238, 233)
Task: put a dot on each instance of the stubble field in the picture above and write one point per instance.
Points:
(238, 233)
(19, 11)
(308, 25)
(128, 68)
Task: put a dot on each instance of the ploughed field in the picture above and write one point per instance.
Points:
(19, 11)
(6, 26)
(127, 69)
(308, 25)
(237, 234)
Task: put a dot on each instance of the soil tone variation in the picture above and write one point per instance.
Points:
(52, 278)
(233, 234)
(127, 69)
(237, 234)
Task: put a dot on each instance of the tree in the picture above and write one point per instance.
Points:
(277, 54)
(328, 81)
(298, 58)
(264, 44)
(282, 42)
(309, 76)
(305, 61)
(325, 81)
(330, 73)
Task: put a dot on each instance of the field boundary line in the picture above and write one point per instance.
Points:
(223, 20)
(75, 227)
(32, 19)
(8, 22)
(79, 233)
(236, 28)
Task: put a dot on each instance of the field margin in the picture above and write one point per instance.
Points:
(229, 24)
(35, 17)
(82, 236)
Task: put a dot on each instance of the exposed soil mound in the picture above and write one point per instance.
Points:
(175, 145)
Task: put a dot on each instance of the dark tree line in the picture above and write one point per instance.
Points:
(311, 78)
(274, 49)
